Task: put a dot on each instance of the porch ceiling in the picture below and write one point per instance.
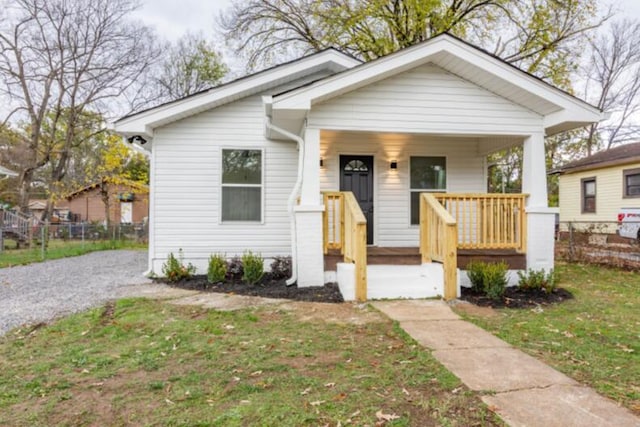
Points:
(486, 144)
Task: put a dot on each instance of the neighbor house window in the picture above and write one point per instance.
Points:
(241, 185)
(631, 182)
(426, 174)
(588, 195)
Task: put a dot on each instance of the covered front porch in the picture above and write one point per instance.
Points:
(393, 153)
(419, 195)
(454, 229)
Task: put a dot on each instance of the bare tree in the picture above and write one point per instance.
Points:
(60, 58)
(190, 65)
(612, 82)
(537, 35)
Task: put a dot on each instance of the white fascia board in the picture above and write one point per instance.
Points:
(523, 80)
(411, 57)
(553, 123)
(145, 122)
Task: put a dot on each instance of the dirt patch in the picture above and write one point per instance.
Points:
(515, 297)
(347, 313)
(268, 287)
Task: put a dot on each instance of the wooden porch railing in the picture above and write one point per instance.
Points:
(488, 221)
(439, 241)
(333, 221)
(345, 228)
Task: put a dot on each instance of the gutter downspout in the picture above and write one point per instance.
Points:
(292, 197)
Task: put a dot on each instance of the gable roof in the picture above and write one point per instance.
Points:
(620, 155)
(560, 110)
(144, 122)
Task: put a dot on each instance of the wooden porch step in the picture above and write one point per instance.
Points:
(411, 256)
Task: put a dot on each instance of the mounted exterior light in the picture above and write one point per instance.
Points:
(321, 162)
(393, 165)
(136, 139)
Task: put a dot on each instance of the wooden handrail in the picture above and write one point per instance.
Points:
(439, 241)
(488, 221)
(345, 228)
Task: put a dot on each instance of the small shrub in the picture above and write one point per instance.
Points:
(281, 267)
(495, 280)
(217, 269)
(537, 279)
(234, 268)
(253, 266)
(475, 272)
(175, 270)
(490, 279)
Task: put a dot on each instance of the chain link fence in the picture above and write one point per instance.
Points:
(600, 242)
(45, 237)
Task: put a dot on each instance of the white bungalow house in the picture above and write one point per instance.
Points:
(330, 157)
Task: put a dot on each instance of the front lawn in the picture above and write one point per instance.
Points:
(142, 362)
(594, 338)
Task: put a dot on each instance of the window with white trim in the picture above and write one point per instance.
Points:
(588, 195)
(631, 182)
(427, 174)
(241, 185)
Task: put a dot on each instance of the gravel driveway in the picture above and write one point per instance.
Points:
(42, 291)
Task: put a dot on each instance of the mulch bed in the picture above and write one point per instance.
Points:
(268, 287)
(517, 298)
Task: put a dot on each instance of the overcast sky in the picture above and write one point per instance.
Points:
(173, 18)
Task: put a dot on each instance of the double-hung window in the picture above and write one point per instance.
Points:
(631, 182)
(242, 185)
(588, 195)
(427, 174)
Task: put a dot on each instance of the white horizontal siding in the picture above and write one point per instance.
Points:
(187, 156)
(465, 174)
(426, 99)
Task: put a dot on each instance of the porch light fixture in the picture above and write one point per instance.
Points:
(393, 165)
(321, 162)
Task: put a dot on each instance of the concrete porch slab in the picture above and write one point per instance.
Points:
(403, 310)
(499, 369)
(561, 406)
(450, 334)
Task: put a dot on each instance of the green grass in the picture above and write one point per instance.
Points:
(594, 338)
(143, 362)
(61, 249)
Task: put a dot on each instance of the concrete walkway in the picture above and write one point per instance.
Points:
(518, 387)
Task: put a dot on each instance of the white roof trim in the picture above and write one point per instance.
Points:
(144, 123)
(570, 109)
(7, 172)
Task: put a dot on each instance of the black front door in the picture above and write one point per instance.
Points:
(356, 175)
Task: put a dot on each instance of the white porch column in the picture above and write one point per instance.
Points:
(308, 214)
(540, 217)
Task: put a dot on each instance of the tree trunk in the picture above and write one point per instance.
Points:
(104, 193)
